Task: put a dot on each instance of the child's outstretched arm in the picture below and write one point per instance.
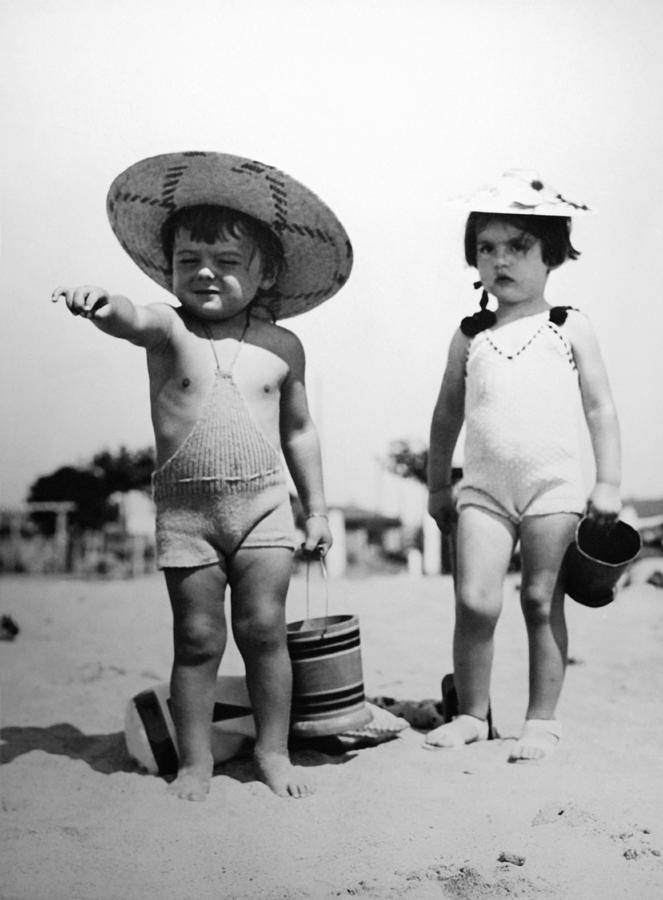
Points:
(604, 502)
(447, 422)
(145, 326)
(301, 448)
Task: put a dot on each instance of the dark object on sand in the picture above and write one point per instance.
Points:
(656, 578)
(596, 559)
(515, 859)
(8, 629)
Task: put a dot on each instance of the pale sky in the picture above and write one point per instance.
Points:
(384, 108)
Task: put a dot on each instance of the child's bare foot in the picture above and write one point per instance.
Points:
(279, 774)
(538, 740)
(192, 783)
(463, 730)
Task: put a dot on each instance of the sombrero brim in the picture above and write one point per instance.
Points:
(317, 250)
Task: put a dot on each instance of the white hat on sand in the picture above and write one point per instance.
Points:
(317, 250)
(521, 191)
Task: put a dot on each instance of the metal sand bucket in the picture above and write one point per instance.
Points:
(327, 680)
(596, 559)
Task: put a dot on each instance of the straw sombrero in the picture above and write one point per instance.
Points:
(317, 251)
(521, 191)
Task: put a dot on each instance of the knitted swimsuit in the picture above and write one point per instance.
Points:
(522, 410)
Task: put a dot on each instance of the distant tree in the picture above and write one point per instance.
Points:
(80, 486)
(407, 461)
(90, 486)
(125, 470)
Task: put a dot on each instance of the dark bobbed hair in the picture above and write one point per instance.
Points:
(207, 223)
(554, 233)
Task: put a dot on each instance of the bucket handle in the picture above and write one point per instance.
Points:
(323, 568)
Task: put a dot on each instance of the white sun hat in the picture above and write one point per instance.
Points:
(317, 250)
(521, 192)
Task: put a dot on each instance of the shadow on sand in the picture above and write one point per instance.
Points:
(105, 753)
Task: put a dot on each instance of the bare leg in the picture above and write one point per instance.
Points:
(199, 633)
(544, 540)
(259, 581)
(484, 546)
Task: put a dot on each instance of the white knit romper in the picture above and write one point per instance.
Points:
(522, 405)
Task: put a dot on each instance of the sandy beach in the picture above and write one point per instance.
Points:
(81, 822)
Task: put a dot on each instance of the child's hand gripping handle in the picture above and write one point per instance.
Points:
(317, 536)
(604, 504)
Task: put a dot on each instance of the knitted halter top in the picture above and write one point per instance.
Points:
(225, 451)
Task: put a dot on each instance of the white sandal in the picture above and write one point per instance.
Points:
(540, 735)
(477, 731)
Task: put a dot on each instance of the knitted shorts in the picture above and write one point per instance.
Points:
(203, 529)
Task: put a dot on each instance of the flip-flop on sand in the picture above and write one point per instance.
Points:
(384, 726)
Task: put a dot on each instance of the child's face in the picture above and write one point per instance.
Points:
(218, 280)
(510, 264)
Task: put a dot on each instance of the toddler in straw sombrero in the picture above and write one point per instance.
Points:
(240, 245)
(518, 377)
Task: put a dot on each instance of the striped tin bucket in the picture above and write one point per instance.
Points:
(327, 680)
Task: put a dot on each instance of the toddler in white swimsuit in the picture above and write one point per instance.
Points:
(518, 377)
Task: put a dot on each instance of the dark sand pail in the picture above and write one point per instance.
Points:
(596, 559)
(327, 679)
